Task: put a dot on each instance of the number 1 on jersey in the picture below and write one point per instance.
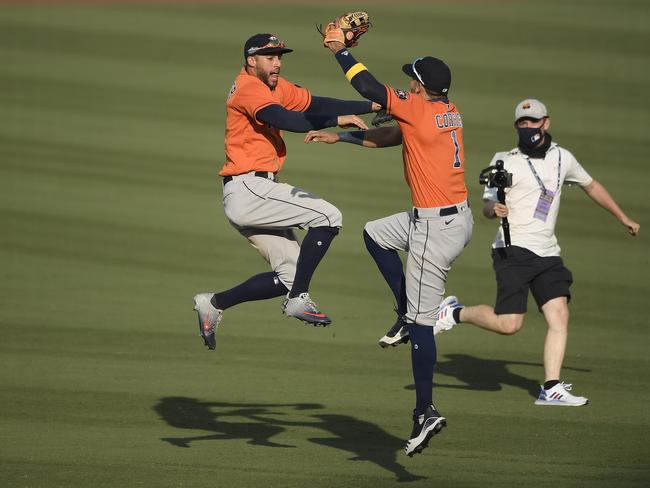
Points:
(454, 138)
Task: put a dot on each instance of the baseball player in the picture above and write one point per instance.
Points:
(435, 230)
(260, 104)
(539, 168)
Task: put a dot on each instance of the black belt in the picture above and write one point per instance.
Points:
(444, 212)
(261, 174)
(448, 211)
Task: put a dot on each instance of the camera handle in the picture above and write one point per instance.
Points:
(501, 196)
(505, 225)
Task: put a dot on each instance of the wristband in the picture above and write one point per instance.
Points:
(353, 137)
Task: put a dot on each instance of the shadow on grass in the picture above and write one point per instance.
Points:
(485, 374)
(258, 423)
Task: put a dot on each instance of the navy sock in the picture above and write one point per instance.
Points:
(423, 358)
(259, 287)
(391, 268)
(313, 248)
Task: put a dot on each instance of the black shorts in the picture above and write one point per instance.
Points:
(518, 270)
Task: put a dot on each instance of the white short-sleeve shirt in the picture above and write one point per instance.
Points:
(523, 196)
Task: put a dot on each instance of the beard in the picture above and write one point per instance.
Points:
(266, 79)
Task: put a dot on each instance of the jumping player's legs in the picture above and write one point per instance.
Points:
(252, 202)
(434, 243)
(280, 249)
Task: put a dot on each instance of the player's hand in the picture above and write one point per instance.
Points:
(376, 107)
(348, 121)
(322, 136)
(632, 226)
(335, 46)
(500, 210)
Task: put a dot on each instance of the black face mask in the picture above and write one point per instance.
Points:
(529, 137)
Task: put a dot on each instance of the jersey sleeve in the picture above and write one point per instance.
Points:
(491, 193)
(400, 104)
(251, 98)
(576, 173)
(292, 96)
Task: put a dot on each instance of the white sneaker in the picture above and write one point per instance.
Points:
(303, 308)
(559, 395)
(209, 318)
(445, 320)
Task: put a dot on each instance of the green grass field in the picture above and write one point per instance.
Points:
(111, 135)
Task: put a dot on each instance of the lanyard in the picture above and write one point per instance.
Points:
(539, 180)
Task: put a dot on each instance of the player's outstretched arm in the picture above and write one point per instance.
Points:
(373, 138)
(599, 194)
(334, 106)
(358, 75)
(277, 116)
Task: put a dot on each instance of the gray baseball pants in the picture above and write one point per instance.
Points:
(432, 242)
(266, 212)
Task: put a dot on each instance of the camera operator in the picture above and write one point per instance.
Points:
(539, 168)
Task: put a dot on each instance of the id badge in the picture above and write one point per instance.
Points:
(544, 205)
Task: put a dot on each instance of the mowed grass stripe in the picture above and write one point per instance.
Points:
(166, 77)
(181, 138)
(108, 98)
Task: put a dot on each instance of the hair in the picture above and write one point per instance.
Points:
(433, 94)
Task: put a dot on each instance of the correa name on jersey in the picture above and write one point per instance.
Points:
(444, 121)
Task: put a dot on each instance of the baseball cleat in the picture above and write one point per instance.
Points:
(209, 318)
(559, 395)
(303, 308)
(425, 426)
(445, 320)
(396, 335)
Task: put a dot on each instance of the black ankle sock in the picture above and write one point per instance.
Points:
(391, 268)
(313, 248)
(259, 287)
(456, 314)
(550, 384)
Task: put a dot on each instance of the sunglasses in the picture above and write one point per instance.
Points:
(274, 42)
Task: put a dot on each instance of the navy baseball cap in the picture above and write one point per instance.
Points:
(264, 44)
(432, 72)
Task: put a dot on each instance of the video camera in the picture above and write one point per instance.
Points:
(495, 176)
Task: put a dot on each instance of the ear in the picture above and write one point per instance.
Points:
(416, 87)
(547, 124)
(251, 61)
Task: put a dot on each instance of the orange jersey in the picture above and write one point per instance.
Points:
(251, 145)
(432, 148)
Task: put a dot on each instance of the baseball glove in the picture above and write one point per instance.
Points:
(381, 118)
(347, 29)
